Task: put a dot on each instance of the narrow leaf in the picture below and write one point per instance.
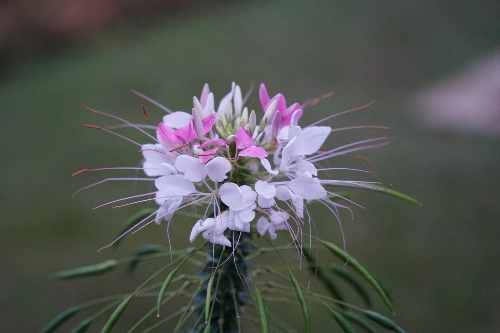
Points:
(302, 301)
(163, 290)
(354, 283)
(207, 329)
(354, 263)
(116, 315)
(89, 270)
(143, 251)
(360, 321)
(383, 321)
(133, 220)
(59, 319)
(261, 312)
(207, 298)
(82, 327)
(344, 324)
(321, 276)
(392, 193)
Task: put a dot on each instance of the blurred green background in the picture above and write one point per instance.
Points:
(440, 261)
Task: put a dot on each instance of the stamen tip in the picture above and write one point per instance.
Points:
(92, 126)
(79, 172)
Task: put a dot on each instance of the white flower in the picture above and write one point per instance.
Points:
(241, 203)
(219, 160)
(157, 162)
(213, 229)
(278, 222)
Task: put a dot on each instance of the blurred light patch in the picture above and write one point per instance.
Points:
(468, 101)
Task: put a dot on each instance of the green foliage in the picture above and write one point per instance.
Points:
(59, 319)
(89, 270)
(116, 315)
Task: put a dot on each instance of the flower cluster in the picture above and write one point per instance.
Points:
(247, 173)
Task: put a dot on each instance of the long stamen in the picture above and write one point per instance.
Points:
(122, 199)
(150, 100)
(111, 132)
(128, 231)
(120, 119)
(359, 127)
(341, 113)
(110, 179)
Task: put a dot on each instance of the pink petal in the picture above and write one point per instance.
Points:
(218, 142)
(208, 122)
(243, 139)
(207, 155)
(168, 134)
(204, 95)
(263, 96)
(253, 152)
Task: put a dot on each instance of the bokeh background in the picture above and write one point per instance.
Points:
(417, 59)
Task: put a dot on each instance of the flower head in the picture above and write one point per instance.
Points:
(248, 174)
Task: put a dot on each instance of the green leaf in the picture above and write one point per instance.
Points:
(354, 263)
(143, 251)
(344, 324)
(360, 321)
(207, 298)
(82, 327)
(392, 193)
(383, 321)
(302, 301)
(116, 315)
(133, 220)
(350, 279)
(59, 319)
(261, 311)
(163, 289)
(89, 270)
(321, 276)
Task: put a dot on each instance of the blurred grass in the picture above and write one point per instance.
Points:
(439, 261)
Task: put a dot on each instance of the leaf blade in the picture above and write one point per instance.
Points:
(383, 321)
(116, 315)
(89, 270)
(354, 263)
(302, 301)
(261, 312)
(343, 323)
(59, 319)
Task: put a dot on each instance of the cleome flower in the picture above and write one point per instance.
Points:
(252, 171)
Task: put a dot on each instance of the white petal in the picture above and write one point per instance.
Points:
(246, 215)
(192, 168)
(262, 226)
(265, 203)
(284, 193)
(267, 166)
(175, 185)
(248, 197)
(200, 226)
(279, 217)
(315, 136)
(308, 188)
(156, 161)
(293, 148)
(218, 168)
(217, 239)
(177, 119)
(303, 166)
(265, 189)
(230, 194)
